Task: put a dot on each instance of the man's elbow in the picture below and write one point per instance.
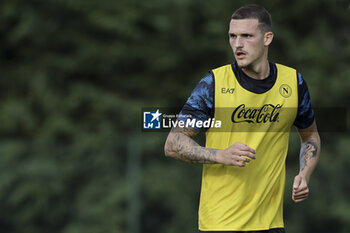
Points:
(167, 148)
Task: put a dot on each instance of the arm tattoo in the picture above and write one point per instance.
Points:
(180, 145)
(308, 151)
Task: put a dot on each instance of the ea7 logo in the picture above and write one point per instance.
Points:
(227, 90)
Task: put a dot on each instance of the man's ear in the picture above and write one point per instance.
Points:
(268, 38)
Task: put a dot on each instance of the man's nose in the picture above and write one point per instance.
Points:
(238, 42)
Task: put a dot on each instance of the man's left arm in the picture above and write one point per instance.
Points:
(309, 154)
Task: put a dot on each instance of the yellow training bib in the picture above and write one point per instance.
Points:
(248, 198)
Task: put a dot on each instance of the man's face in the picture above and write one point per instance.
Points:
(247, 42)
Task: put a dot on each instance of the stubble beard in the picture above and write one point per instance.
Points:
(243, 65)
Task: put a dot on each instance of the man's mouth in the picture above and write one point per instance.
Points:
(240, 54)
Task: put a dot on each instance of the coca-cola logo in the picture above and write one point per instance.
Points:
(267, 113)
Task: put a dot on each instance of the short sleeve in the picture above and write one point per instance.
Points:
(305, 116)
(200, 105)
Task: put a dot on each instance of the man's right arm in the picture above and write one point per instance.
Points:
(180, 145)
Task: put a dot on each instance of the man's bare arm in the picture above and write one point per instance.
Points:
(180, 145)
(309, 155)
(309, 151)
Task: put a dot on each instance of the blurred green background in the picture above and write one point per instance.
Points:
(75, 75)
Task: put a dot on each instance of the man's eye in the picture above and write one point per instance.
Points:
(233, 36)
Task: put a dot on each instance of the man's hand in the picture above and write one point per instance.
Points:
(300, 189)
(233, 155)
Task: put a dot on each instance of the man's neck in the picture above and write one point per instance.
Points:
(260, 71)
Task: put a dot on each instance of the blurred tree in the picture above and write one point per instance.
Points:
(75, 74)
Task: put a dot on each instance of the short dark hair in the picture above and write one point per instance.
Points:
(253, 11)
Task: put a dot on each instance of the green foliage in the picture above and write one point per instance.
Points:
(75, 74)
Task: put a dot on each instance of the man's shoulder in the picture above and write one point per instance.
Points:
(281, 66)
(222, 67)
(221, 71)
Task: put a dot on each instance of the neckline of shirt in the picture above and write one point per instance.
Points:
(257, 86)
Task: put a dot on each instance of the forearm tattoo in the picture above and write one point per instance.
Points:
(308, 151)
(180, 145)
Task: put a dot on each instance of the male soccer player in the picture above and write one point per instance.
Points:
(244, 162)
